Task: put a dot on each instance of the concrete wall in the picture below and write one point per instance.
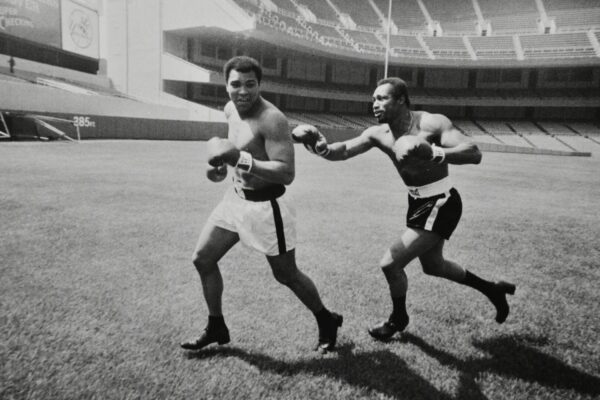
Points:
(30, 97)
(105, 127)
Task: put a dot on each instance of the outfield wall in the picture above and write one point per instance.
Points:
(103, 127)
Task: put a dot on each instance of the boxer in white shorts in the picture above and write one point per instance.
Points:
(255, 211)
(420, 145)
(266, 224)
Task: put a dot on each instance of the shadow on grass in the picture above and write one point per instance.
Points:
(379, 371)
(386, 373)
(514, 357)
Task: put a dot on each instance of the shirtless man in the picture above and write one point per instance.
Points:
(255, 209)
(420, 145)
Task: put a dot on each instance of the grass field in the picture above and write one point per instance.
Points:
(97, 286)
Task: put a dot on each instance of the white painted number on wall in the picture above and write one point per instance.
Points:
(83, 122)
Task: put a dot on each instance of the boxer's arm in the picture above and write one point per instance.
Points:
(315, 142)
(349, 148)
(457, 148)
(279, 168)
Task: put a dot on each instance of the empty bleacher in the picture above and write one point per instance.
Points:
(457, 28)
(457, 10)
(504, 7)
(407, 46)
(447, 47)
(469, 128)
(553, 5)
(585, 128)
(406, 14)
(285, 5)
(321, 9)
(563, 134)
(512, 24)
(455, 17)
(283, 23)
(568, 45)
(537, 137)
(576, 20)
(360, 10)
(328, 35)
(503, 133)
(579, 143)
(556, 128)
(493, 47)
(359, 121)
(366, 41)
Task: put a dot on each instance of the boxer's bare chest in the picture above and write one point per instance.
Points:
(413, 171)
(245, 135)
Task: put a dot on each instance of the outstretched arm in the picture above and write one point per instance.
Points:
(316, 143)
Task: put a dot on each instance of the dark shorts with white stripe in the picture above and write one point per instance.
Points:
(439, 214)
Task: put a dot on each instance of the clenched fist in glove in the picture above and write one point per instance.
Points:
(216, 174)
(412, 147)
(311, 138)
(221, 151)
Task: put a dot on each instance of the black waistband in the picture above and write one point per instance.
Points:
(264, 194)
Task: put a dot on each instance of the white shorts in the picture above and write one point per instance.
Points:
(267, 226)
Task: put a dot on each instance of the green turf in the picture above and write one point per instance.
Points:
(97, 286)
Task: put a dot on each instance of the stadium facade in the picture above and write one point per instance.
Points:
(492, 66)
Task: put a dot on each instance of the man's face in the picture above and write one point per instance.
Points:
(243, 89)
(385, 107)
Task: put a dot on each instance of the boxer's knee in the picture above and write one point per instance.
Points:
(203, 262)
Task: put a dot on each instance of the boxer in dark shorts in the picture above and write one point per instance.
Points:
(420, 145)
(439, 213)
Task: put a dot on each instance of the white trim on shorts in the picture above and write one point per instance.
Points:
(431, 189)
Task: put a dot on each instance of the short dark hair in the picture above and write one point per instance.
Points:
(243, 64)
(399, 88)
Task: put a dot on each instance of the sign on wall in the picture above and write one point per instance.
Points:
(79, 29)
(36, 20)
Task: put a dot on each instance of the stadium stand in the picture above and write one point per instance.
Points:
(447, 47)
(555, 128)
(321, 9)
(507, 7)
(576, 20)
(366, 41)
(407, 46)
(536, 136)
(360, 11)
(328, 35)
(406, 14)
(455, 17)
(564, 45)
(501, 65)
(584, 128)
(514, 24)
(579, 143)
(286, 5)
(493, 47)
